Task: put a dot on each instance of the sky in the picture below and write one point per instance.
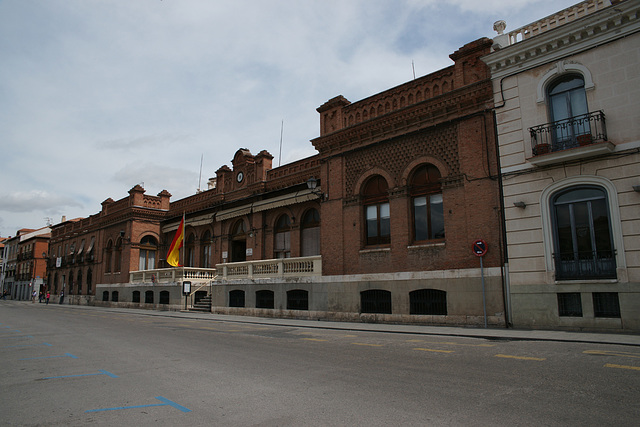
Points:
(97, 96)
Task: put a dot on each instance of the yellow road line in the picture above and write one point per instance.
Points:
(613, 353)
(452, 343)
(506, 356)
(435, 351)
(365, 344)
(313, 339)
(611, 365)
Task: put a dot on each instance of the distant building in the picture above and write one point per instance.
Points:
(567, 97)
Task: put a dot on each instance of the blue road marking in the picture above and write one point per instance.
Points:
(16, 337)
(166, 401)
(51, 357)
(102, 372)
(26, 345)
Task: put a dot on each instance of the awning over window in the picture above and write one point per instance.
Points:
(286, 200)
(233, 212)
(81, 247)
(90, 248)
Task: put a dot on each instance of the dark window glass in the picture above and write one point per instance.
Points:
(264, 299)
(148, 297)
(606, 304)
(375, 301)
(428, 301)
(236, 298)
(376, 211)
(569, 304)
(135, 297)
(297, 299)
(164, 297)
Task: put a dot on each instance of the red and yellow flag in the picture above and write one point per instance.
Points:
(173, 257)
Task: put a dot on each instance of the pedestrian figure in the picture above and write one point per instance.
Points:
(40, 297)
(48, 295)
(33, 296)
(61, 297)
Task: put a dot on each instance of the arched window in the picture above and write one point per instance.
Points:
(79, 282)
(89, 281)
(114, 296)
(117, 265)
(568, 110)
(71, 282)
(283, 237)
(108, 257)
(148, 250)
(375, 301)
(238, 242)
(105, 296)
(298, 299)
(428, 301)
(426, 196)
(135, 297)
(236, 298)
(583, 244)
(376, 211)
(264, 299)
(164, 297)
(310, 235)
(190, 250)
(148, 297)
(205, 258)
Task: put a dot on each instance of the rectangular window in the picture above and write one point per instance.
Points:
(569, 304)
(428, 217)
(606, 304)
(378, 224)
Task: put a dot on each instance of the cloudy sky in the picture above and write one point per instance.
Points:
(97, 96)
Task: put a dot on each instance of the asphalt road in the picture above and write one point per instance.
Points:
(66, 365)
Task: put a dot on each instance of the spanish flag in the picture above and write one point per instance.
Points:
(173, 257)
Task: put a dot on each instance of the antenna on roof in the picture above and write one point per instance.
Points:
(200, 177)
(281, 131)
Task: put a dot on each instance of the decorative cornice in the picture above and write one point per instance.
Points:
(569, 39)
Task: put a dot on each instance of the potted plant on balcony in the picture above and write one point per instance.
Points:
(541, 149)
(584, 139)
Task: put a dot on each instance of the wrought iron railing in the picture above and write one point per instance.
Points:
(577, 131)
(585, 265)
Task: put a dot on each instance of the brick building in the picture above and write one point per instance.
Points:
(377, 226)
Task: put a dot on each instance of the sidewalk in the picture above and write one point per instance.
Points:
(467, 332)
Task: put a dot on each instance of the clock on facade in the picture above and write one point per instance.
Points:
(239, 177)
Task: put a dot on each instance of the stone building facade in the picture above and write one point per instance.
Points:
(567, 96)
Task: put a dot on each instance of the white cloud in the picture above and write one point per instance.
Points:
(96, 97)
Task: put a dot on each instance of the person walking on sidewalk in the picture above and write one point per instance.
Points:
(48, 296)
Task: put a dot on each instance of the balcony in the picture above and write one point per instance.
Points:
(271, 268)
(575, 138)
(586, 265)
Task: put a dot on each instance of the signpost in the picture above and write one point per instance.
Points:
(186, 290)
(479, 248)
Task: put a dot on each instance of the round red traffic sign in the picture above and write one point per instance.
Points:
(479, 247)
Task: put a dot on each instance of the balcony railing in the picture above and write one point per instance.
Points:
(570, 133)
(585, 265)
(167, 275)
(271, 268)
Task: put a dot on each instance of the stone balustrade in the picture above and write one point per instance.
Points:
(271, 268)
(168, 275)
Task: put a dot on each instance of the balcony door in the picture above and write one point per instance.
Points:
(568, 110)
(583, 240)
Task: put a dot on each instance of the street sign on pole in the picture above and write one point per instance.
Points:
(479, 248)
